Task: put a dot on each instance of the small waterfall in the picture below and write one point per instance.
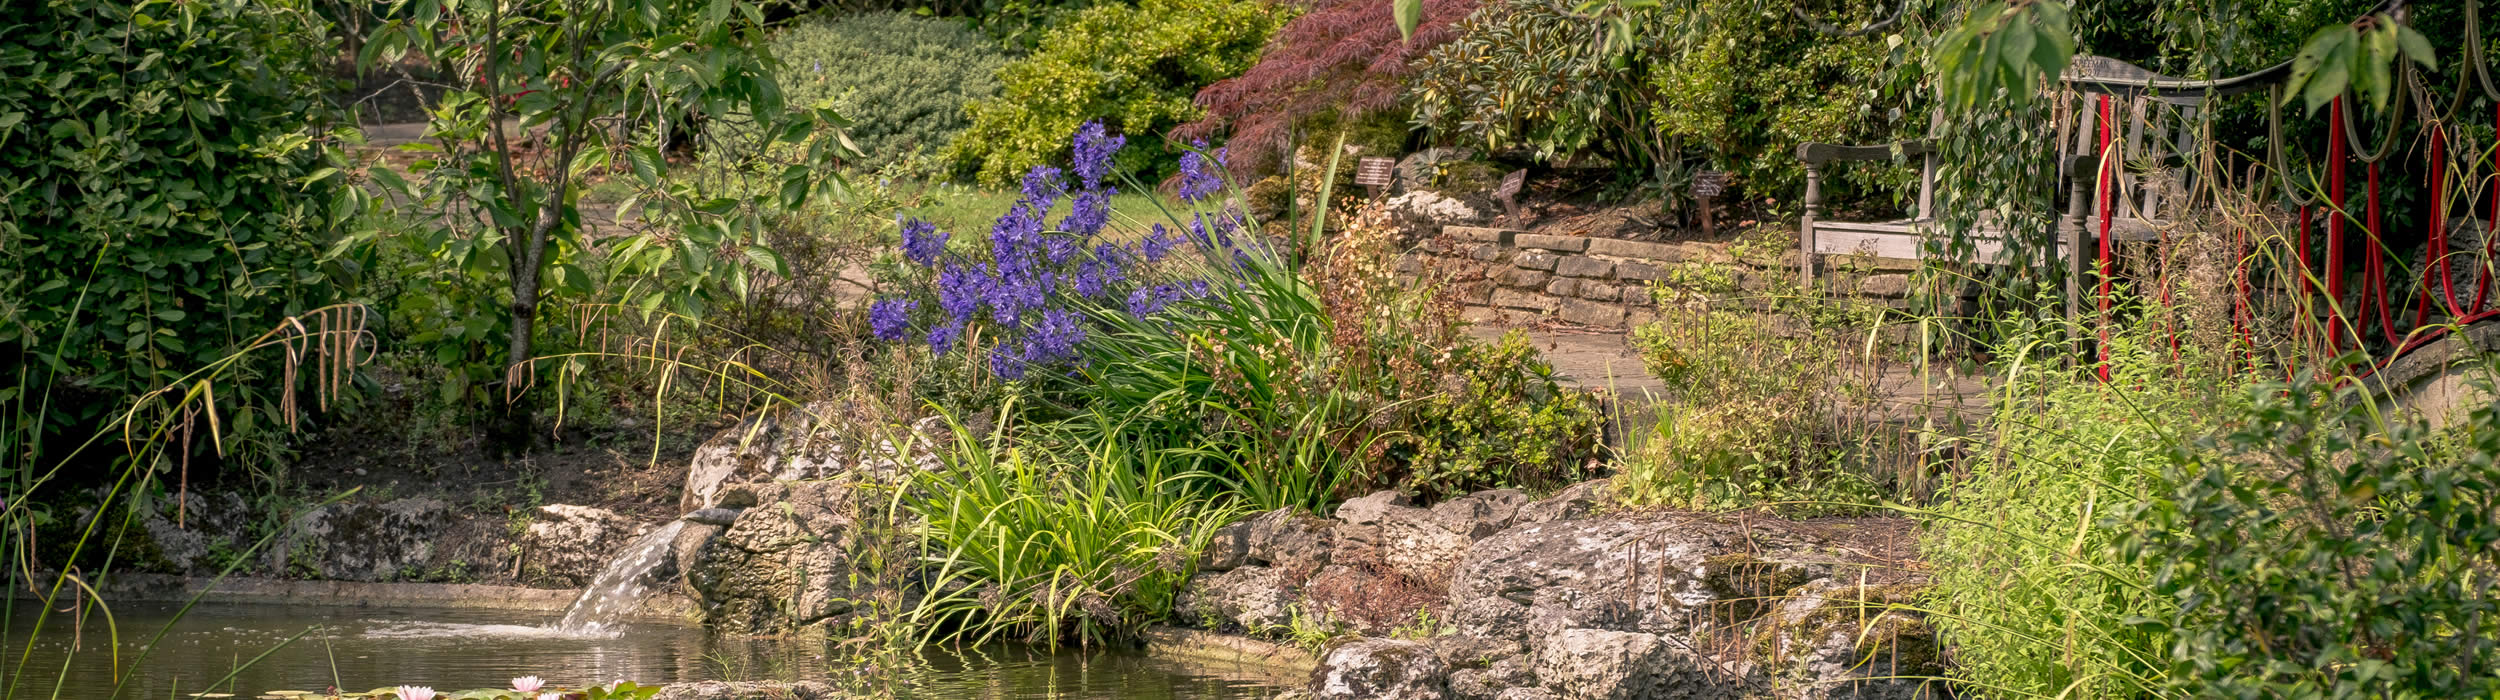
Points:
(620, 588)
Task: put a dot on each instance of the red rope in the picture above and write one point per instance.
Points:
(2374, 266)
(2482, 281)
(2300, 331)
(2102, 193)
(2439, 225)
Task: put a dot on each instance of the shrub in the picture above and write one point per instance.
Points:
(1764, 82)
(1040, 547)
(902, 80)
(1132, 68)
(1532, 74)
(1760, 409)
(2031, 596)
(1345, 58)
(168, 195)
(2316, 551)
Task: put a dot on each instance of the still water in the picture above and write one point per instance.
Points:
(363, 648)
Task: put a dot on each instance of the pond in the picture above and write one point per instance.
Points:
(363, 648)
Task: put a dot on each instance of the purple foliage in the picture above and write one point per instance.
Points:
(923, 243)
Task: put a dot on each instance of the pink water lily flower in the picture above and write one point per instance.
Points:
(550, 696)
(415, 692)
(528, 684)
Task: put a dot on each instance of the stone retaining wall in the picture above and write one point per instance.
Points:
(1510, 277)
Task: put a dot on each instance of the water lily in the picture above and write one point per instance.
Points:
(550, 696)
(528, 684)
(415, 692)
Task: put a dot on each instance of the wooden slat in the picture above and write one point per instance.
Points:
(1892, 240)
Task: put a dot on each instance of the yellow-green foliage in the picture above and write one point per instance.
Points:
(902, 80)
(1756, 82)
(1135, 68)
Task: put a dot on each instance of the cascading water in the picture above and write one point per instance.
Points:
(620, 588)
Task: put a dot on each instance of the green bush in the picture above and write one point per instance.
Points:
(164, 196)
(1135, 68)
(902, 80)
(2316, 550)
(2029, 591)
(1502, 420)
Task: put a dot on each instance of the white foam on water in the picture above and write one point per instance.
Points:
(618, 591)
(435, 630)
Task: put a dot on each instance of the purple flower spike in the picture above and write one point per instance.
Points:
(1200, 176)
(922, 242)
(889, 318)
(942, 338)
(1092, 151)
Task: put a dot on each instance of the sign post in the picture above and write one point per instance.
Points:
(1708, 185)
(1374, 173)
(1508, 192)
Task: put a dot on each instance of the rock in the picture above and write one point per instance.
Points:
(713, 516)
(757, 690)
(1294, 694)
(1532, 581)
(783, 564)
(570, 544)
(177, 533)
(361, 541)
(1255, 597)
(1527, 694)
(1414, 545)
(1423, 212)
(1480, 514)
(1610, 665)
(1573, 502)
(1370, 509)
(1380, 669)
(800, 444)
(1829, 640)
(1227, 549)
(1492, 681)
(1290, 539)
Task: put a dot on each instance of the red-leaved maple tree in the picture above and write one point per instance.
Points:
(1344, 55)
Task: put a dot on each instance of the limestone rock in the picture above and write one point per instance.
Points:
(1834, 641)
(1370, 509)
(1424, 212)
(1610, 665)
(1417, 169)
(1289, 539)
(361, 541)
(1380, 669)
(570, 544)
(782, 564)
(800, 444)
(1491, 681)
(1255, 597)
(1574, 502)
(1478, 515)
(1227, 549)
(1527, 694)
(1532, 581)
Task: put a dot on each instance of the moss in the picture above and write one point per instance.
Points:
(1470, 177)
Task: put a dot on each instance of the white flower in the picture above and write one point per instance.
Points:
(550, 696)
(528, 684)
(415, 692)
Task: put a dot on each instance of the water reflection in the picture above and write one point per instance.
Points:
(360, 648)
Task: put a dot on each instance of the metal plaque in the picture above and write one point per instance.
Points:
(1510, 184)
(1375, 171)
(1709, 183)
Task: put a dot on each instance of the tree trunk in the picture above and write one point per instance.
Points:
(517, 428)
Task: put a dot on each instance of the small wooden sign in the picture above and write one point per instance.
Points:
(1509, 189)
(1709, 183)
(1375, 171)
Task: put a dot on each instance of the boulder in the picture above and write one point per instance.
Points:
(1478, 515)
(1416, 169)
(1380, 669)
(176, 533)
(1532, 581)
(1290, 539)
(1527, 694)
(756, 690)
(361, 541)
(569, 544)
(1830, 640)
(1610, 665)
(1576, 501)
(1422, 213)
(1381, 529)
(783, 564)
(1227, 549)
(1372, 508)
(1257, 598)
(1491, 681)
(800, 444)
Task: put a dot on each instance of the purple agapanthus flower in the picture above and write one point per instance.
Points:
(1006, 365)
(959, 292)
(1042, 186)
(1055, 337)
(890, 318)
(1088, 212)
(922, 242)
(942, 337)
(1158, 243)
(1092, 153)
(1200, 176)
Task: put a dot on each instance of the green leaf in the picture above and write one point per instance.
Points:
(2312, 57)
(2334, 71)
(647, 164)
(1409, 13)
(2376, 61)
(2416, 47)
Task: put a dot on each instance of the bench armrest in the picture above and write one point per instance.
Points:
(1820, 153)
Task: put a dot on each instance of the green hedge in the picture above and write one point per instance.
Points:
(1135, 68)
(902, 80)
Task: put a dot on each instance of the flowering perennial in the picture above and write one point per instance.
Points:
(1034, 288)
